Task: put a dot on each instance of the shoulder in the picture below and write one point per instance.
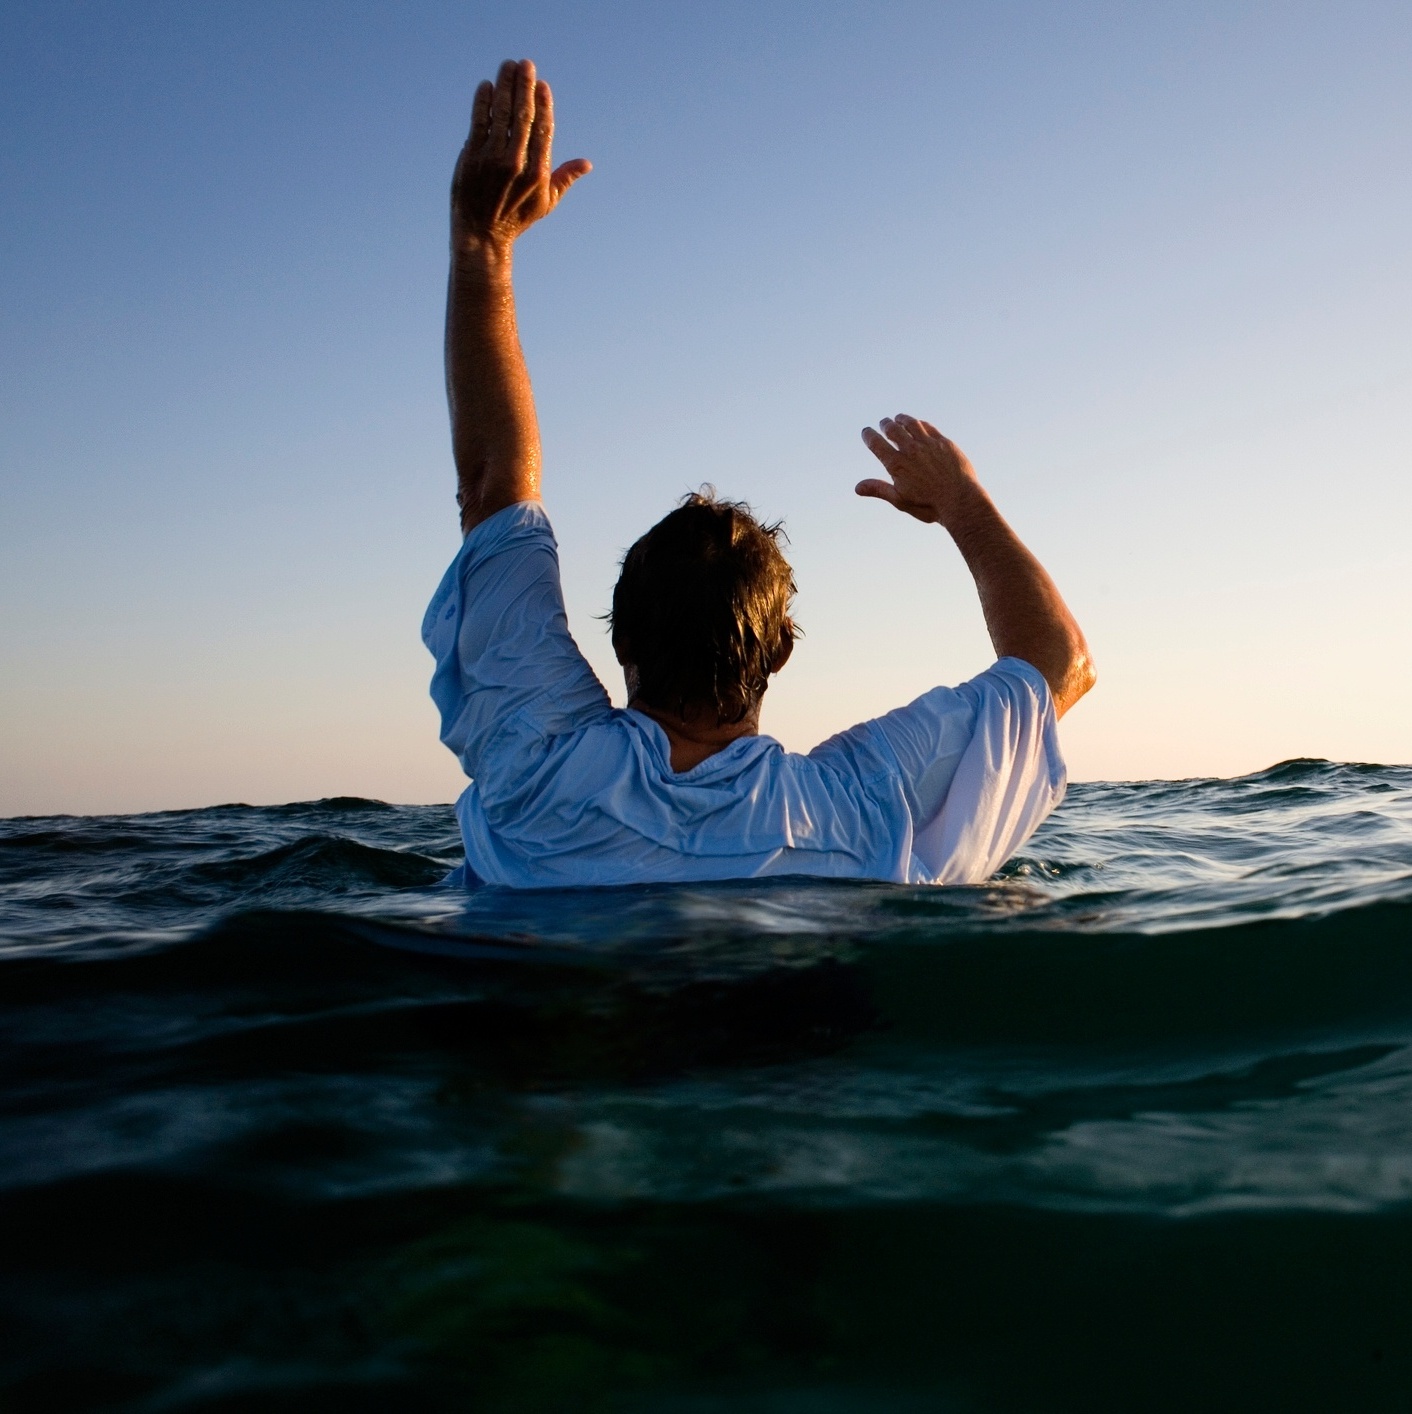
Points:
(519, 523)
(1011, 678)
(523, 525)
(947, 716)
(922, 743)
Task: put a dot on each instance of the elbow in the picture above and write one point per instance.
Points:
(1079, 677)
(1085, 674)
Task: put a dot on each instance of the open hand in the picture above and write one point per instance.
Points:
(931, 477)
(503, 182)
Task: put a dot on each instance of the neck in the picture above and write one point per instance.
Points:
(697, 735)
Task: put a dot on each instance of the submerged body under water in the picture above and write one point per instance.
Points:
(284, 1121)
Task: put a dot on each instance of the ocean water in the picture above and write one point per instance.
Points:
(285, 1124)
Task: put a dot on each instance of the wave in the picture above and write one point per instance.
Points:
(318, 862)
(697, 994)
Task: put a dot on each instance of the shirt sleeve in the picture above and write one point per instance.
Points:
(980, 768)
(508, 672)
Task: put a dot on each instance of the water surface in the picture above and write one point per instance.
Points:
(285, 1122)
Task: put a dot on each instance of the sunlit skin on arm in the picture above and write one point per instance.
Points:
(504, 182)
(931, 479)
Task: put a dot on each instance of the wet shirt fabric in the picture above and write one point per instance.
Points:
(568, 790)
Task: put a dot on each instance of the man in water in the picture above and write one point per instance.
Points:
(680, 785)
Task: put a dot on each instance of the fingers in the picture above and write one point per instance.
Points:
(913, 435)
(920, 433)
(502, 106)
(522, 112)
(894, 432)
(541, 139)
(480, 116)
(541, 143)
(903, 429)
(881, 448)
(878, 490)
(565, 176)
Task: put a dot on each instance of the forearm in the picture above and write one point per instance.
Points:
(494, 430)
(932, 480)
(1024, 611)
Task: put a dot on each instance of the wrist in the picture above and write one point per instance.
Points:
(480, 258)
(967, 509)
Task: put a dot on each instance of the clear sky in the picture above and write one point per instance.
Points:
(1147, 264)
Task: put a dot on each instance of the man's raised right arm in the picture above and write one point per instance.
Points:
(503, 184)
(932, 480)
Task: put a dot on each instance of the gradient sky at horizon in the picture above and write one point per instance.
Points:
(1148, 265)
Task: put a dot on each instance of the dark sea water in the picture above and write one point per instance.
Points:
(286, 1125)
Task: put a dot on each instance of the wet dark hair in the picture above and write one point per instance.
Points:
(701, 608)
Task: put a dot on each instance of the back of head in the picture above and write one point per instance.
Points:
(701, 609)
